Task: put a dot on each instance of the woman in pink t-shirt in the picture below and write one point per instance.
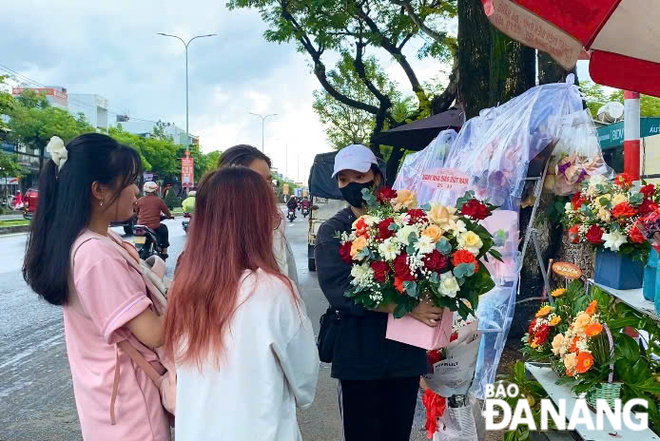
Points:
(73, 262)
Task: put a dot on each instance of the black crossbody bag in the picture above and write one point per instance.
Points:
(328, 333)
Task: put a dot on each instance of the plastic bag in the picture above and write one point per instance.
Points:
(577, 155)
(453, 375)
(459, 422)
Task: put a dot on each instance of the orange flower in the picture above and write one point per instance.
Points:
(573, 347)
(569, 373)
(398, 284)
(361, 228)
(592, 308)
(584, 362)
(624, 209)
(593, 329)
(544, 311)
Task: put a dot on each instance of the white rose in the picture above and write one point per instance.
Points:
(470, 241)
(449, 285)
(403, 234)
(389, 249)
(425, 245)
(604, 214)
(614, 240)
(457, 227)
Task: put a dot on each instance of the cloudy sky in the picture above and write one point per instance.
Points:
(111, 48)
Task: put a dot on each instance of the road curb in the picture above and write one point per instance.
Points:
(14, 230)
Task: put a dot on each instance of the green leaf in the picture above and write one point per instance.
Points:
(444, 246)
(464, 270)
(411, 289)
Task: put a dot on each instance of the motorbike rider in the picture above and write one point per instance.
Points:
(292, 204)
(149, 208)
(189, 203)
(305, 203)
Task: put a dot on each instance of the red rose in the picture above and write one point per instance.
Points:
(574, 234)
(435, 261)
(636, 236)
(345, 252)
(401, 268)
(577, 201)
(624, 180)
(542, 334)
(647, 207)
(454, 336)
(595, 235)
(647, 190)
(416, 215)
(383, 229)
(475, 209)
(381, 270)
(386, 194)
(624, 209)
(434, 356)
(464, 256)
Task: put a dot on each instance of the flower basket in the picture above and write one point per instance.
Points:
(415, 333)
(610, 391)
(618, 271)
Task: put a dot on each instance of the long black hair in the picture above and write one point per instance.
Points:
(242, 155)
(65, 207)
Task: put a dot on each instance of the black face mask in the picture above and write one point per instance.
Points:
(353, 193)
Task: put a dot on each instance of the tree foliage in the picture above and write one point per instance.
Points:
(597, 96)
(9, 167)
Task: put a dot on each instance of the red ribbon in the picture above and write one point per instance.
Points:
(435, 408)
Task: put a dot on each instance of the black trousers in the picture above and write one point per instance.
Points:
(378, 410)
(163, 236)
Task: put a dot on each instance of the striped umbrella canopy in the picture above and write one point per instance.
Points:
(622, 37)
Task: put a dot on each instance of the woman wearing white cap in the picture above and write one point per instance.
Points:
(378, 378)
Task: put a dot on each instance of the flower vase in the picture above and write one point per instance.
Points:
(411, 331)
(618, 271)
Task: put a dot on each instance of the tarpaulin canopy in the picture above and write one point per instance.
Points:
(419, 134)
(622, 36)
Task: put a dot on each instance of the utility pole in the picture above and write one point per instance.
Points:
(186, 46)
(286, 164)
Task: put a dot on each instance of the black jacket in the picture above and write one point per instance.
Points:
(361, 351)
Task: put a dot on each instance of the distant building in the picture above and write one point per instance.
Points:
(94, 107)
(146, 129)
(57, 96)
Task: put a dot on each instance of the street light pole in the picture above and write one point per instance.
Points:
(186, 46)
(263, 123)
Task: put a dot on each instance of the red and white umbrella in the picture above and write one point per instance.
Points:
(621, 36)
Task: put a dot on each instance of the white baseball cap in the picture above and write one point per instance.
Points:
(150, 187)
(356, 157)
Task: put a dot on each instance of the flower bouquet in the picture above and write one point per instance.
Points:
(604, 214)
(401, 255)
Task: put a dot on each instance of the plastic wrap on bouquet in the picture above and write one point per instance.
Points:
(577, 155)
(459, 421)
(454, 373)
(415, 333)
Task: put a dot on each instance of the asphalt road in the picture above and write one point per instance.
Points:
(36, 396)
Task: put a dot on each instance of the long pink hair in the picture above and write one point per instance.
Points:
(231, 231)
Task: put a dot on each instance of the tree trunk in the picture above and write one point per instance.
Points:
(393, 165)
(474, 42)
(512, 68)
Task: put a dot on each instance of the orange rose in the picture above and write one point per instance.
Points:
(464, 256)
(592, 308)
(584, 362)
(434, 232)
(593, 329)
(359, 244)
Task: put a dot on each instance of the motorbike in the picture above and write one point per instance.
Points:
(292, 214)
(146, 241)
(305, 211)
(186, 222)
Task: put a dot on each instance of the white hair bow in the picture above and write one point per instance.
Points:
(58, 151)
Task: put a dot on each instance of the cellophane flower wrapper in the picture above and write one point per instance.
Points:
(649, 226)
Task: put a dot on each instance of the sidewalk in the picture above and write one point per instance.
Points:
(7, 217)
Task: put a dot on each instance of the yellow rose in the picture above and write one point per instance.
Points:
(470, 241)
(434, 232)
(582, 321)
(619, 198)
(557, 343)
(405, 199)
(544, 311)
(570, 361)
(555, 321)
(359, 244)
(442, 216)
(604, 214)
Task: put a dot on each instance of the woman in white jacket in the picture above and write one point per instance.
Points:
(243, 345)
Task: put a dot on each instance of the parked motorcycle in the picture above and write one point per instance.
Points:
(186, 222)
(292, 215)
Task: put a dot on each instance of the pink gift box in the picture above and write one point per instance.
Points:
(415, 333)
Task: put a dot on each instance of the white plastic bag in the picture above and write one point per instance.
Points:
(454, 374)
(459, 422)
